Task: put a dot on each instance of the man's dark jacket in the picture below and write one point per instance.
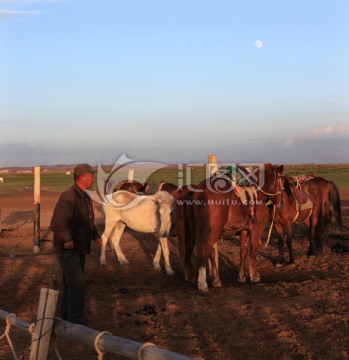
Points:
(73, 220)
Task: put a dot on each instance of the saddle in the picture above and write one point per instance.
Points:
(300, 179)
(299, 191)
(247, 195)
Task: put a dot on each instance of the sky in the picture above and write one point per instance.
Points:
(173, 81)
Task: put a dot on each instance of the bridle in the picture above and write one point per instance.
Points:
(277, 182)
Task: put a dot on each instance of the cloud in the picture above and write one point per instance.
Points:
(11, 12)
(331, 131)
(19, 12)
(29, 1)
(340, 129)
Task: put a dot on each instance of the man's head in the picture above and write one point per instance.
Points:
(84, 176)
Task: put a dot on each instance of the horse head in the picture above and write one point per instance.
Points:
(166, 210)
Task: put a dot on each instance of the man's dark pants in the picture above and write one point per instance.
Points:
(73, 298)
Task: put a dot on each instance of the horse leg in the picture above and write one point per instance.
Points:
(255, 241)
(289, 239)
(109, 226)
(319, 228)
(204, 253)
(215, 247)
(202, 283)
(156, 260)
(166, 252)
(280, 235)
(312, 231)
(102, 259)
(119, 229)
(189, 274)
(244, 244)
(213, 257)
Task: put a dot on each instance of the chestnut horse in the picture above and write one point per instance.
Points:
(219, 207)
(305, 200)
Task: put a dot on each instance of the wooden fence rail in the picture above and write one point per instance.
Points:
(106, 342)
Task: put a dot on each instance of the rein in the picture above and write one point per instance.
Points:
(270, 229)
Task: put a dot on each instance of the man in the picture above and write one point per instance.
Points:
(73, 229)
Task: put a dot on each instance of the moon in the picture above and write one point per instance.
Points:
(258, 44)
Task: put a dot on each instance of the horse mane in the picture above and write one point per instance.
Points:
(287, 185)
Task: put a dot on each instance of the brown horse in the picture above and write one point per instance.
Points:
(169, 187)
(305, 200)
(132, 186)
(219, 207)
(330, 197)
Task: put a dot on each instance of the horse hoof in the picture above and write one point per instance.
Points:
(242, 279)
(255, 279)
(217, 284)
(103, 263)
(124, 262)
(170, 272)
(157, 267)
(191, 279)
(279, 265)
(203, 289)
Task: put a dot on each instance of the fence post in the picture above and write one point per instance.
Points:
(36, 209)
(130, 176)
(212, 164)
(44, 324)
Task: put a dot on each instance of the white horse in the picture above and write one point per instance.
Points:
(146, 214)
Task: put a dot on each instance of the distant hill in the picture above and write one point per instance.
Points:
(108, 168)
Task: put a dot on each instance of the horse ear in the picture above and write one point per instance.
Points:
(281, 169)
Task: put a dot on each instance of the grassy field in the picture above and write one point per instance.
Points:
(339, 174)
(13, 183)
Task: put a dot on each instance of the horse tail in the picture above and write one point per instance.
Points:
(336, 203)
(202, 229)
(181, 226)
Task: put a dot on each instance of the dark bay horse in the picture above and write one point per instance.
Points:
(305, 200)
(219, 207)
(149, 188)
(330, 198)
(169, 187)
(132, 186)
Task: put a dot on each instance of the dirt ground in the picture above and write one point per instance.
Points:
(296, 312)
